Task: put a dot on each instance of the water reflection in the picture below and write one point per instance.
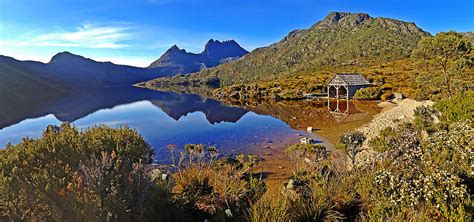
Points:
(77, 105)
(166, 117)
(161, 117)
(341, 110)
(330, 118)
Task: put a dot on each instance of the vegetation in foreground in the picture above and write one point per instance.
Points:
(105, 174)
(424, 172)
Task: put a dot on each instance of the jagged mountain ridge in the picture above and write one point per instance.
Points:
(215, 53)
(71, 71)
(339, 39)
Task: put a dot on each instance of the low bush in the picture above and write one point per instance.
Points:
(351, 144)
(458, 108)
(96, 174)
(306, 154)
(381, 142)
(425, 118)
(216, 189)
(370, 93)
(387, 96)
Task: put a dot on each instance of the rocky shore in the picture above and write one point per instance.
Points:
(394, 112)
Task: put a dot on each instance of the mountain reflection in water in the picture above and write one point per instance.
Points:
(171, 118)
(161, 117)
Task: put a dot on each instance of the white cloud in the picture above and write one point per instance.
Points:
(85, 36)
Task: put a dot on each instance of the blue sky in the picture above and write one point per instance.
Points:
(136, 32)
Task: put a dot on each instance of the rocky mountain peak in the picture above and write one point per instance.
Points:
(224, 49)
(344, 18)
(175, 49)
(214, 53)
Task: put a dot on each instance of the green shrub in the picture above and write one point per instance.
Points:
(381, 142)
(67, 174)
(370, 93)
(425, 118)
(457, 108)
(351, 144)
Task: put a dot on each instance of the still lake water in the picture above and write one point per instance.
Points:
(161, 117)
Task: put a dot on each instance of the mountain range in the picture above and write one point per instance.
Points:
(29, 82)
(75, 71)
(339, 40)
(215, 53)
(301, 61)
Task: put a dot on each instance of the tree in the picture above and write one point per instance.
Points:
(351, 143)
(448, 53)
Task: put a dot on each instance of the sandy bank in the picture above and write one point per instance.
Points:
(393, 113)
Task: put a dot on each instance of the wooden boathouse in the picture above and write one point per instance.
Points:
(344, 86)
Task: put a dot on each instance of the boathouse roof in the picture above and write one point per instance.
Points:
(348, 79)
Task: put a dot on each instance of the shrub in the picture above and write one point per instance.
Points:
(351, 144)
(387, 96)
(308, 154)
(217, 189)
(323, 197)
(451, 149)
(458, 108)
(440, 192)
(269, 208)
(381, 142)
(425, 118)
(67, 174)
(370, 93)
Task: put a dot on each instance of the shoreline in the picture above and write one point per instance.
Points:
(393, 113)
(278, 167)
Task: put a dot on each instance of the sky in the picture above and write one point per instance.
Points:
(137, 32)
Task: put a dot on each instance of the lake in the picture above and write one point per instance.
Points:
(170, 118)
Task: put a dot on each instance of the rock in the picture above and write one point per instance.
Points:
(291, 184)
(228, 213)
(306, 140)
(398, 96)
(309, 129)
(164, 176)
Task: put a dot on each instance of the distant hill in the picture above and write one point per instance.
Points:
(340, 39)
(34, 84)
(25, 83)
(215, 53)
(69, 71)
